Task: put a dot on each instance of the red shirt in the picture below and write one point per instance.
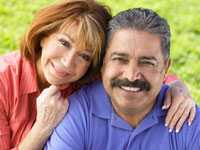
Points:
(18, 93)
(170, 78)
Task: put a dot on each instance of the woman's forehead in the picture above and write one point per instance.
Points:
(78, 36)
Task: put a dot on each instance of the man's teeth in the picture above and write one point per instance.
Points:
(131, 89)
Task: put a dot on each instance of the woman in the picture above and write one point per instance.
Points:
(62, 48)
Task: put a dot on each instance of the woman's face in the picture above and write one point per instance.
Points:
(62, 60)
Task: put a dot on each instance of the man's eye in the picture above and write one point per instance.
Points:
(147, 63)
(65, 43)
(85, 57)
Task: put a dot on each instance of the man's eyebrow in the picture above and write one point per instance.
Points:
(149, 58)
(119, 54)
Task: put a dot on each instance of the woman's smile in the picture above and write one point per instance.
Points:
(58, 71)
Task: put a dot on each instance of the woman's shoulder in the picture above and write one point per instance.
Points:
(9, 66)
(14, 63)
(17, 78)
(13, 68)
(9, 61)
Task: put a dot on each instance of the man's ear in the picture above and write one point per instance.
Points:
(167, 65)
(102, 67)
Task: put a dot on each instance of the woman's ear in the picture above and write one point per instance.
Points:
(42, 42)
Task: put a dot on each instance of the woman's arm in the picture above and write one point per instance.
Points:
(180, 105)
(51, 108)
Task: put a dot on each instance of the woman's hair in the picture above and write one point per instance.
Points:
(92, 18)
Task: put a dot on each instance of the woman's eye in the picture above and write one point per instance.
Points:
(119, 59)
(85, 57)
(65, 43)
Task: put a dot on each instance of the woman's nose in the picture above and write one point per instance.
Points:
(69, 60)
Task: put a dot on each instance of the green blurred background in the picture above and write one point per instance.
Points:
(182, 15)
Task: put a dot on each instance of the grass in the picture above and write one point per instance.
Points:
(182, 15)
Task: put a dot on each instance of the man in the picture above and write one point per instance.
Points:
(124, 112)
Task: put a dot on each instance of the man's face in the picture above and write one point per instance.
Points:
(133, 70)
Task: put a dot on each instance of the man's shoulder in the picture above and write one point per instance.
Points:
(94, 87)
(190, 134)
(90, 99)
(194, 128)
(75, 126)
(196, 121)
(88, 91)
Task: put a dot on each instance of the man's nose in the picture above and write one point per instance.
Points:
(133, 72)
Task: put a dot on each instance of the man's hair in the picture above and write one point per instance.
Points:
(92, 19)
(142, 19)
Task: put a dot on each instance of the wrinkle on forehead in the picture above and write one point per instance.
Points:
(136, 43)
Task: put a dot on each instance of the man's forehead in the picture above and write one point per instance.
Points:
(143, 56)
(131, 41)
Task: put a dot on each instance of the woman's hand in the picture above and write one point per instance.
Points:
(51, 108)
(181, 106)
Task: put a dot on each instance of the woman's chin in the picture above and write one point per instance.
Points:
(59, 84)
(62, 86)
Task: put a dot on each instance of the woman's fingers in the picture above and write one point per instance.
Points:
(182, 106)
(167, 101)
(192, 113)
(182, 119)
(180, 115)
(51, 107)
(171, 112)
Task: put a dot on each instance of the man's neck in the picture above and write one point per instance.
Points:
(135, 118)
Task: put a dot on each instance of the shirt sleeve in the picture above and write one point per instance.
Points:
(4, 129)
(70, 133)
(4, 124)
(5, 133)
(170, 78)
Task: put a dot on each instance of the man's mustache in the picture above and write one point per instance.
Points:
(143, 85)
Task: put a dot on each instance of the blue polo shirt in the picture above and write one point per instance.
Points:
(92, 124)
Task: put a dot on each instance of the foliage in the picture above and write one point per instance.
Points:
(182, 15)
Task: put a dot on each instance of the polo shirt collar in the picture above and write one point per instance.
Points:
(102, 108)
(156, 115)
